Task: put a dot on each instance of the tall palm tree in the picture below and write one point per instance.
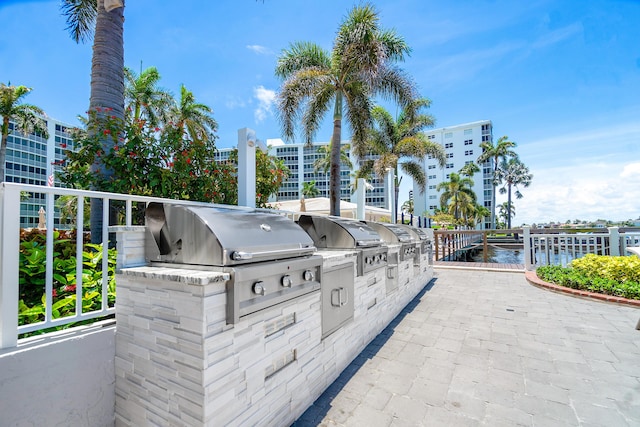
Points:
(104, 21)
(457, 196)
(143, 98)
(495, 153)
(469, 169)
(194, 119)
(27, 118)
(511, 174)
(359, 67)
(309, 189)
(390, 140)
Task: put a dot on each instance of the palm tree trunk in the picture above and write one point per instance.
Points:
(107, 90)
(334, 175)
(509, 207)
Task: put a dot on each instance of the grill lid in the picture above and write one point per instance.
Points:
(415, 232)
(218, 236)
(339, 233)
(391, 233)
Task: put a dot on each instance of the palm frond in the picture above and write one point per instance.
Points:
(81, 18)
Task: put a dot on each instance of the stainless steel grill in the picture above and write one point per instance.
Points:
(268, 257)
(419, 236)
(330, 232)
(393, 233)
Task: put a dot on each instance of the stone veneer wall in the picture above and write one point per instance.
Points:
(179, 363)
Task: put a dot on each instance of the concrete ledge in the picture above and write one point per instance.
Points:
(533, 278)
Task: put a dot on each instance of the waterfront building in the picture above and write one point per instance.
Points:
(462, 145)
(34, 159)
(300, 158)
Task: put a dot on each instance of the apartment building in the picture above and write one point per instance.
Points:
(32, 159)
(462, 146)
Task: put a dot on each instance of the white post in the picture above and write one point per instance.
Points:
(247, 167)
(360, 199)
(614, 241)
(528, 249)
(9, 261)
(392, 194)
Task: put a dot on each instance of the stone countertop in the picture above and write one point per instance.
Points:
(185, 275)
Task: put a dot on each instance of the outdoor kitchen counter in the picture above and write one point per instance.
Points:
(185, 275)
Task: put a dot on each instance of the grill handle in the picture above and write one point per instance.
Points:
(243, 256)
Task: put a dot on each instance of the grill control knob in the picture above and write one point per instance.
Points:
(308, 275)
(377, 259)
(368, 260)
(286, 281)
(259, 288)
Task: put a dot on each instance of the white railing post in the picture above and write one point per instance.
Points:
(9, 261)
(614, 241)
(528, 248)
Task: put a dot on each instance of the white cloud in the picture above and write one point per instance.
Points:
(587, 192)
(233, 103)
(266, 98)
(260, 50)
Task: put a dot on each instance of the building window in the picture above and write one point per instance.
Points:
(432, 187)
(448, 145)
(468, 142)
(468, 152)
(431, 137)
(432, 166)
(449, 166)
(448, 135)
(468, 131)
(433, 196)
(449, 155)
(431, 177)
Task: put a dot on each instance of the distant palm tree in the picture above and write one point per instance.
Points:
(391, 140)
(500, 151)
(193, 118)
(457, 197)
(104, 22)
(504, 212)
(469, 169)
(407, 206)
(27, 118)
(511, 174)
(143, 98)
(324, 163)
(480, 213)
(359, 67)
(309, 189)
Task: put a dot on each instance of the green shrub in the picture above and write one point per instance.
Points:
(610, 275)
(31, 308)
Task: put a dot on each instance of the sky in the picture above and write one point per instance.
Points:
(559, 78)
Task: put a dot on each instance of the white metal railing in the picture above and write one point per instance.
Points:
(10, 253)
(559, 247)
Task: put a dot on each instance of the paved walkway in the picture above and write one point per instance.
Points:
(487, 348)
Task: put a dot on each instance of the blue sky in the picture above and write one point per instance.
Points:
(560, 78)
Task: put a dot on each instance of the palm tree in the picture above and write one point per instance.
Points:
(495, 153)
(309, 189)
(390, 140)
(511, 174)
(407, 206)
(480, 213)
(27, 118)
(193, 118)
(359, 67)
(144, 100)
(104, 21)
(457, 196)
(503, 210)
(469, 169)
(324, 163)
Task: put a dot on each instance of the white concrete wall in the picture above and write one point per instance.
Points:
(63, 379)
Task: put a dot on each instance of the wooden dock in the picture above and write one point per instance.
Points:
(478, 265)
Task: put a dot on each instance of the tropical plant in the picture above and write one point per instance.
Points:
(511, 174)
(495, 153)
(359, 67)
(504, 211)
(390, 140)
(469, 169)
(193, 118)
(144, 99)
(102, 20)
(457, 197)
(323, 163)
(27, 118)
(309, 189)
(407, 206)
(480, 213)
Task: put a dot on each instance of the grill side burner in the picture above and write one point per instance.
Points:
(330, 232)
(268, 257)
